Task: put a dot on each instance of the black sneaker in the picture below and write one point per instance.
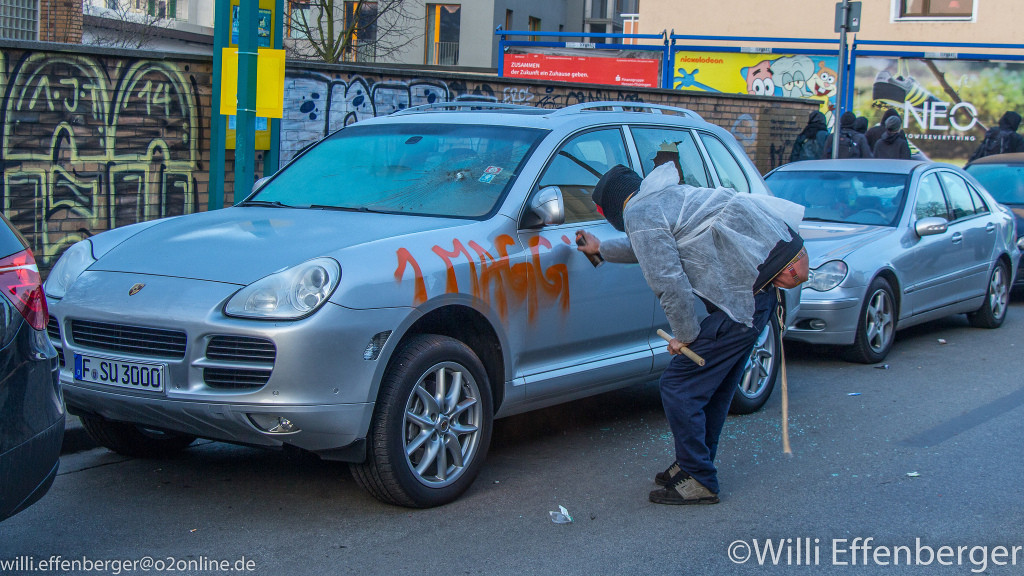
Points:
(683, 489)
(661, 478)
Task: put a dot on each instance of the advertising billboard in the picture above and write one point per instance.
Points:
(794, 76)
(639, 72)
(946, 105)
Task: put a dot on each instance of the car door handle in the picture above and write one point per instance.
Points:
(957, 238)
(991, 227)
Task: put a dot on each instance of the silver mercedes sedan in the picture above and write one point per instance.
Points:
(894, 243)
(387, 295)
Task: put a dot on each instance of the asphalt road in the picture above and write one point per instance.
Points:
(948, 412)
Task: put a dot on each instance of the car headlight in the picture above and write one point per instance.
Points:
(289, 294)
(827, 276)
(75, 260)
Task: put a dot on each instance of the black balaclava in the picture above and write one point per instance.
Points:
(612, 191)
(861, 125)
(847, 120)
(1010, 121)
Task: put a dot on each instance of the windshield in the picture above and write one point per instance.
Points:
(1005, 182)
(452, 170)
(850, 197)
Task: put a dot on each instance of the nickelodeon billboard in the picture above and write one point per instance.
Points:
(794, 76)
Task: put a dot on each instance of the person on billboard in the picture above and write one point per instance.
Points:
(810, 143)
(875, 133)
(852, 144)
(893, 145)
(1002, 139)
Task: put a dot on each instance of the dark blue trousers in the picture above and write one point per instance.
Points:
(696, 398)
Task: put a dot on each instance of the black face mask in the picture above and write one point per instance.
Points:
(612, 191)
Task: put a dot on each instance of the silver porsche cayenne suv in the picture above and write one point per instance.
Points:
(386, 295)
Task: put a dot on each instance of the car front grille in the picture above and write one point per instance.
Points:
(241, 349)
(53, 330)
(235, 378)
(139, 340)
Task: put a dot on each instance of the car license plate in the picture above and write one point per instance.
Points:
(123, 373)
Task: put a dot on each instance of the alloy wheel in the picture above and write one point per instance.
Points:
(442, 424)
(878, 321)
(997, 293)
(759, 364)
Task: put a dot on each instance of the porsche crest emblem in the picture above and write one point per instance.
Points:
(135, 289)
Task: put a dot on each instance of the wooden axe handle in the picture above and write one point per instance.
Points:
(686, 351)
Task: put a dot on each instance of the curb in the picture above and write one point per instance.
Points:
(76, 439)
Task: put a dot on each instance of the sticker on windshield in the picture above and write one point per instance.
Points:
(487, 178)
(492, 170)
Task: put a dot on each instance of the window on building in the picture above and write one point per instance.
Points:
(443, 25)
(299, 16)
(936, 8)
(508, 20)
(18, 19)
(363, 27)
(534, 27)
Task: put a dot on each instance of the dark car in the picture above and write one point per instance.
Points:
(1003, 176)
(31, 405)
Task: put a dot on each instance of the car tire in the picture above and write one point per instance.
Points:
(761, 371)
(131, 440)
(997, 297)
(876, 329)
(412, 434)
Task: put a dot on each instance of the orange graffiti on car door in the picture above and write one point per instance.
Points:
(495, 280)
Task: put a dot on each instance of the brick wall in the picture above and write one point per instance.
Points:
(320, 99)
(94, 139)
(60, 21)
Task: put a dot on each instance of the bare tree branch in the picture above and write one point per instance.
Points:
(356, 30)
(127, 27)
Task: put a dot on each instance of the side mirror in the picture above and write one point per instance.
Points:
(546, 208)
(930, 226)
(259, 183)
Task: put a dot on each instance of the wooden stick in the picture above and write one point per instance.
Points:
(785, 404)
(686, 351)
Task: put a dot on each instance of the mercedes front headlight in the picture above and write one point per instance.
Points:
(289, 294)
(827, 276)
(69, 267)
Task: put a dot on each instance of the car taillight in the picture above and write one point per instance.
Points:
(19, 280)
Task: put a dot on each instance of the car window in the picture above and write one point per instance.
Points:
(851, 197)
(651, 141)
(11, 241)
(729, 171)
(930, 201)
(1005, 182)
(579, 164)
(979, 203)
(959, 196)
(449, 170)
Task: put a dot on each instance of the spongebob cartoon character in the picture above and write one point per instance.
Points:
(759, 79)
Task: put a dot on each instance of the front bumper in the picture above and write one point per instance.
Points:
(838, 309)
(319, 380)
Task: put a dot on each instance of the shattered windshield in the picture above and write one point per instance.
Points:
(452, 170)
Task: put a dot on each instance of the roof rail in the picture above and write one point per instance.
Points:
(625, 107)
(472, 105)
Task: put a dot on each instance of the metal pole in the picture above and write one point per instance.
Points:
(245, 124)
(218, 124)
(272, 158)
(842, 78)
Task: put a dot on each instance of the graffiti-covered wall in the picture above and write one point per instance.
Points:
(322, 99)
(94, 139)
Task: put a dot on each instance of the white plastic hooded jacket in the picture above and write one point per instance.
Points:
(704, 241)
